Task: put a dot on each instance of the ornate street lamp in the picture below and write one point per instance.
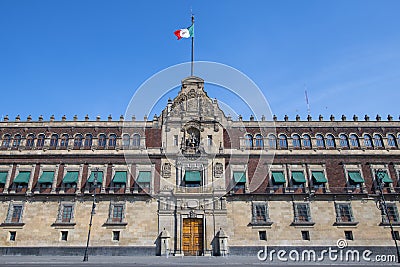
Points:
(381, 204)
(86, 256)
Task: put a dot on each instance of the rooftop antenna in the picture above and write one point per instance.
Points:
(308, 104)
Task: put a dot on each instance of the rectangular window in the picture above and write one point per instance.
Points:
(344, 213)
(64, 235)
(16, 213)
(67, 214)
(13, 235)
(305, 235)
(118, 213)
(302, 213)
(239, 180)
(260, 213)
(348, 235)
(298, 181)
(355, 180)
(116, 235)
(392, 213)
(209, 140)
(176, 140)
(262, 235)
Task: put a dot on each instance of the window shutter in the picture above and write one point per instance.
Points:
(396, 213)
(254, 213)
(308, 212)
(266, 211)
(9, 212)
(72, 213)
(338, 215)
(351, 212)
(110, 212)
(383, 214)
(22, 214)
(296, 213)
(60, 211)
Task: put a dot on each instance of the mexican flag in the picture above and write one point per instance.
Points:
(185, 33)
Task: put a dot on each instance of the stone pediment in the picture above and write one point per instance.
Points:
(192, 102)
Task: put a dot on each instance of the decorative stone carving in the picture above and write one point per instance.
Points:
(218, 170)
(216, 127)
(167, 170)
(192, 94)
(192, 204)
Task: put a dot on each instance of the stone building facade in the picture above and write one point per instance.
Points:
(192, 181)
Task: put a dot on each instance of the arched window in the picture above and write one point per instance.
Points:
(112, 140)
(378, 142)
(54, 140)
(64, 140)
(272, 141)
(259, 141)
(354, 140)
(330, 141)
(78, 141)
(344, 142)
(136, 140)
(283, 141)
(126, 140)
(248, 140)
(17, 141)
(6, 141)
(296, 141)
(320, 141)
(392, 141)
(368, 141)
(306, 141)
(30, 141)
(88, 140)
(40, 140)
(102, 141)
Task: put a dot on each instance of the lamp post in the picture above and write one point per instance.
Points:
(86, 256)
(381, 204)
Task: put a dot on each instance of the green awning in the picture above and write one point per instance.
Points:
(239, 177)
(22, 177)
(119, 177)
(298, 177)
(46, 177)
(192, 176)
(3, 177)
(278, 177)
(71, 177)
(319, 177)
(386, 178)
(144, 177)
(356, 177)
(99, 177)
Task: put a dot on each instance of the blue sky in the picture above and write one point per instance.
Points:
(89, 57)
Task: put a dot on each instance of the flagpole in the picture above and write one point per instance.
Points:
(192, 66)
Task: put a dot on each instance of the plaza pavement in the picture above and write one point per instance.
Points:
(61, 261)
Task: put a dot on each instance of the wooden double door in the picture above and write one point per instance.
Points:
(192, 237)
